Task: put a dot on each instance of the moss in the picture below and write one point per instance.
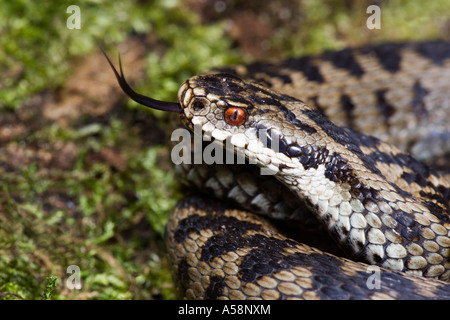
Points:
(37, 46)
(111, 238)
(50, 287)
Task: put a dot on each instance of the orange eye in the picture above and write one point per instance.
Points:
(235, 116)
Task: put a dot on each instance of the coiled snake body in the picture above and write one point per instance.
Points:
(327, 179)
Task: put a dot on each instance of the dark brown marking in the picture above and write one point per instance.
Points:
(418, 103)
(306, 66)
(345, 59)
(437, 52)
(388, 55)
(348, 106)
(386, 109)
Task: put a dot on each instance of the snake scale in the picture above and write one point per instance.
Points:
(343, 214)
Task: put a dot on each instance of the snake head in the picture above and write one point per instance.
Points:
(224, 105)
(216, 100)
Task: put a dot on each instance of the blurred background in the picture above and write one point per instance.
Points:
(85, 177)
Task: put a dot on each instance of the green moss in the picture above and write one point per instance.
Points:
(38, 241)
(50, 287)
(190, 48)
(414, 20)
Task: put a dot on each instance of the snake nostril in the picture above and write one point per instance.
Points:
(199, 104)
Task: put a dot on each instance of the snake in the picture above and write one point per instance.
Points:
(333, 182)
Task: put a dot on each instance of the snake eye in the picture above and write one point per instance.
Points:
(235, 116)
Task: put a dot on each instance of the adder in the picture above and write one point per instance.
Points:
(326, 207)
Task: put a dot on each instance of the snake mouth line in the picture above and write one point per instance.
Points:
(189, 148)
